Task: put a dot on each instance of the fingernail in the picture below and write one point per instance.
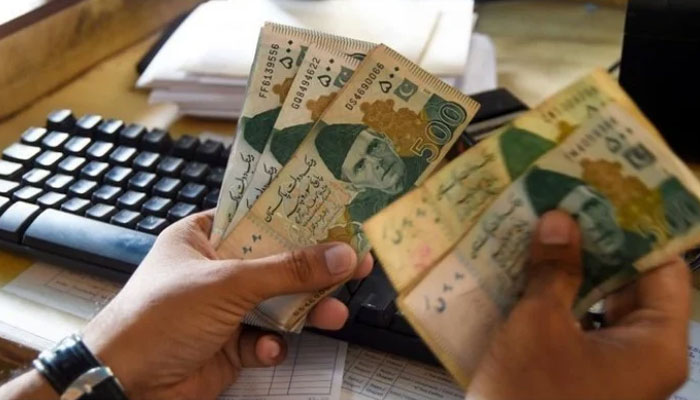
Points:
(555, 230)
(338, 259)
(272, 349)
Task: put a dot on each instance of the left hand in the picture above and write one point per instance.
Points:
(174, 331)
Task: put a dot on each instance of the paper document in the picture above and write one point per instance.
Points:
(313, 370)
(691, 389)
(373, 375)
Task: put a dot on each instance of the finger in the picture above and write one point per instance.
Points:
(258, 348)
(665, 292)
(554, 271)
(306, 270)
(364, 267)
(621, 303)
(329, 314)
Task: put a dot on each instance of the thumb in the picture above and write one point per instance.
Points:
(304, 270)
(554, 273)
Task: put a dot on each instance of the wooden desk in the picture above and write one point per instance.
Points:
(541, 47)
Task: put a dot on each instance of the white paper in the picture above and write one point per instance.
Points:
(691, 389)
(373, 375)
(313, 370)
(73, 292)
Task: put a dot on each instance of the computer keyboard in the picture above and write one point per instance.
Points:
(93, 193)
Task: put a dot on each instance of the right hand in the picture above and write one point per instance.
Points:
(541, 352)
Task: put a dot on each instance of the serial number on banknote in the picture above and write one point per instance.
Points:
(305, 83)
(364, 86)
(269, 70)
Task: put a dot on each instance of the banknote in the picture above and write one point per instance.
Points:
(383, 133)
(452, 199)
(279, 54)
(635, 202)
(323, 72)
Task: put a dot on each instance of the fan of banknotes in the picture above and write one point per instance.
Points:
(337, 142)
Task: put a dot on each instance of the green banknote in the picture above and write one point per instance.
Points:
(635, 202)
(384, 133)
(278, 56)
(323, 72)
(452, 199)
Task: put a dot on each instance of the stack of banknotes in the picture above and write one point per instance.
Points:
(338, 141)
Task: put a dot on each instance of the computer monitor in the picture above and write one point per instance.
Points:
(660, 68)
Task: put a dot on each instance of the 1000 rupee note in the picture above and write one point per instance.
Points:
(635, 202)
(323, 72)
(278, 55)
(450, 201)
(384, 133)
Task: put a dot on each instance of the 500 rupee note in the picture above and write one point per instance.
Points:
(323, 72)
(635, 202)
(450, 201)
(384, 133)
(278, 55)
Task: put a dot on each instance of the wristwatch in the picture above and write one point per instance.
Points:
(76, 374)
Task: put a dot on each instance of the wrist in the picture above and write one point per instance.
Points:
(30, 385)
(106, 347)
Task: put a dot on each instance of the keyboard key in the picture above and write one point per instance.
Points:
(76, 205)
(142, 181)
(10, 170)
(109, 130)
(399, 324)
(60, 120)
(92, 242)
(170, 166)
(146, 161)
(71, 165)
(27, 193)
(167, 187)
(223, 157)
(99, 151)
(194, 172)
(15, 220)
(33, 136)
(36, 177)
(215, 177)
(132, 134)
(21, 153)
(157, 206)
(208, 150)
(211, 199)
(185, 146)
(131, 200)
(125, 218)
(152, 225)
(7, 187)
(48, 159)
(82, 188)
(51, 200)
(157, 140)
(4, 204)
(192, 193)
(118, 176)
(181, 210)
(106, 194)
(77, 145)
(101, 212)
(54, 140)
(94, 170)
(87, 125)
(123, 155)
(59, 183)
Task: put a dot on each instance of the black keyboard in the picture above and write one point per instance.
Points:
(93, 193)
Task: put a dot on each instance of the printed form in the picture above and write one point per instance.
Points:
(313, 370)
(373, 375)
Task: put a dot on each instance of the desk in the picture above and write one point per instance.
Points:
(541, 47)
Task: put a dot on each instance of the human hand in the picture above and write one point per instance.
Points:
(541, 352)
(174, 331)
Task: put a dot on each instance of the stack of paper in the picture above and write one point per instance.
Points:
(204, 66)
